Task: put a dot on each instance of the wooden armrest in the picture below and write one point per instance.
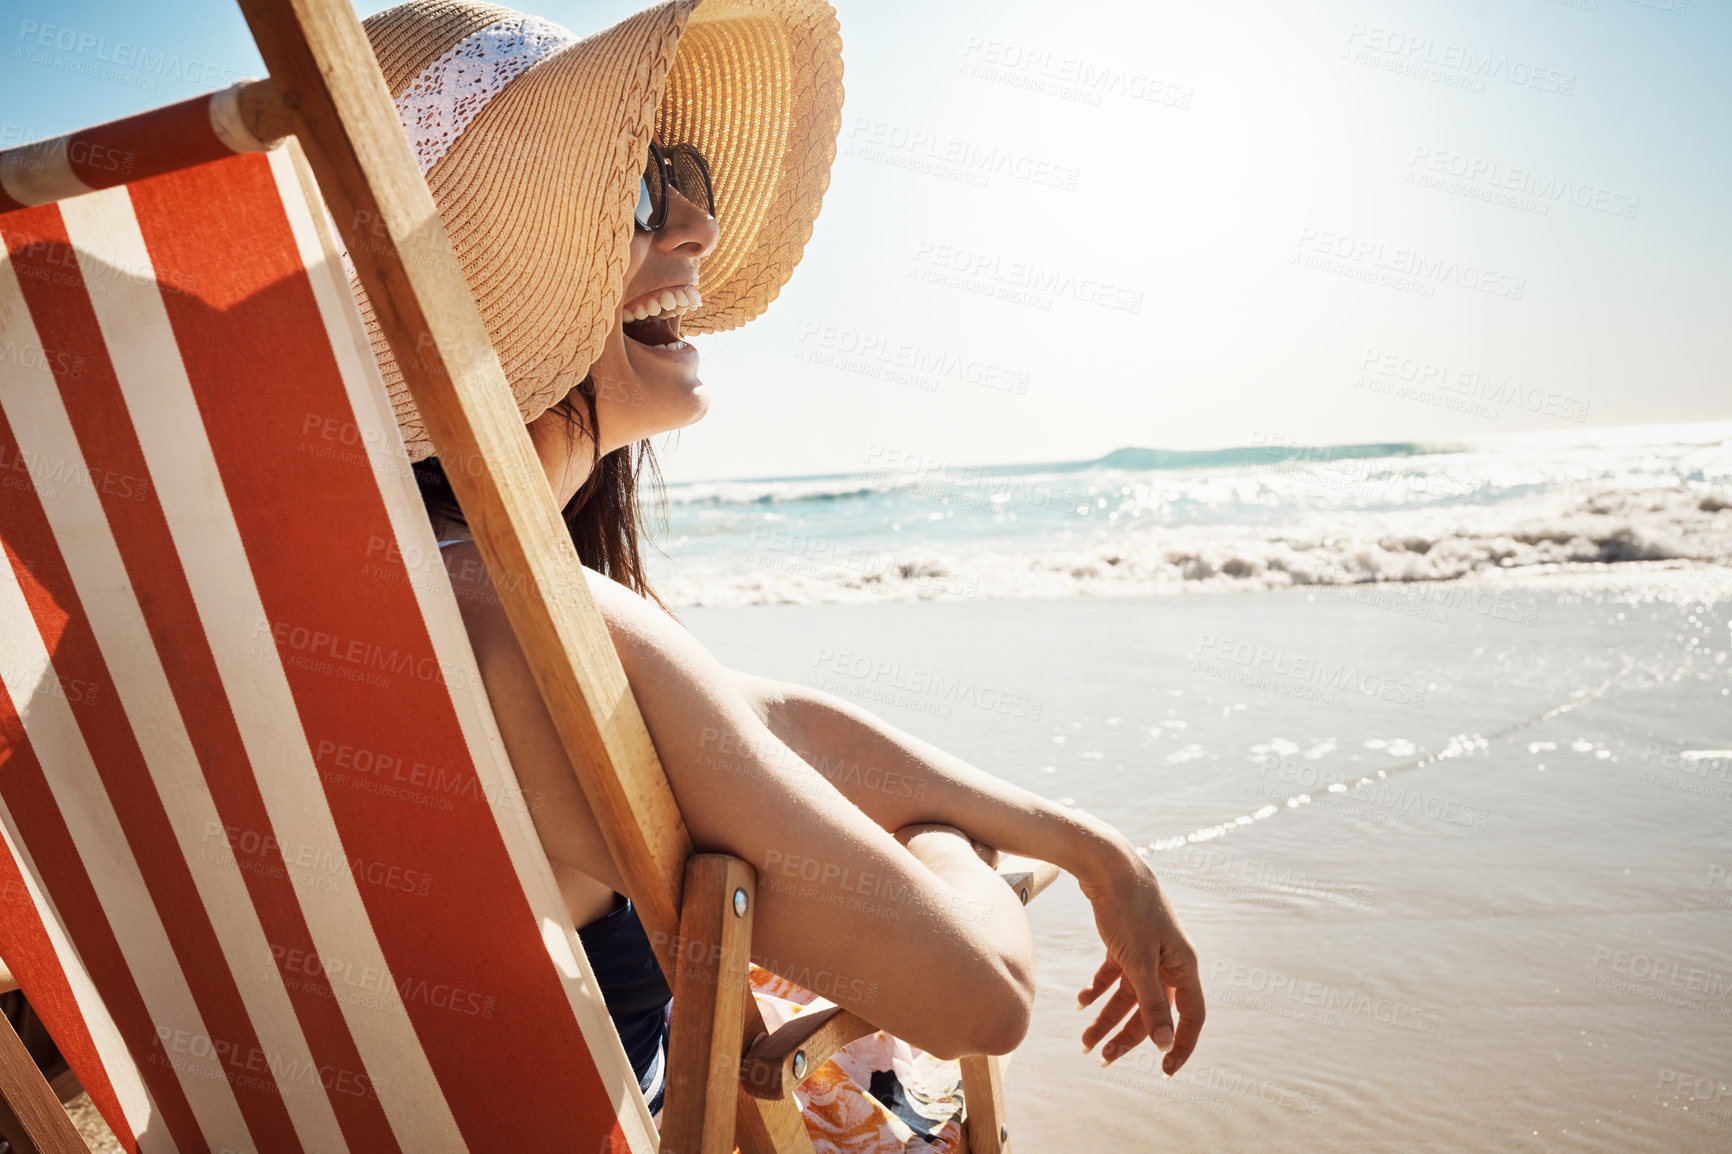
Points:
(1026, 875)
(775, 1063)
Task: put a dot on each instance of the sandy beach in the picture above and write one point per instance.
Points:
(1459, 879)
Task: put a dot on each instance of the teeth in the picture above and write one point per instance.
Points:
(671, 301)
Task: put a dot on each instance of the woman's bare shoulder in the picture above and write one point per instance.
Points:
(484, 613)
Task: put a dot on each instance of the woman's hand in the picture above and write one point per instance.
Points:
(1151, 960)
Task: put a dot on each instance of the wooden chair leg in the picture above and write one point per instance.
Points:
(984, 1125)
(771, 1127)
(710, 992)
(714, 1014)
(31, 1117)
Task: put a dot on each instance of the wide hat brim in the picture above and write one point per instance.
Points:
(537, 193)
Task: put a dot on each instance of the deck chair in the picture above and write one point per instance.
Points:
(265, 871)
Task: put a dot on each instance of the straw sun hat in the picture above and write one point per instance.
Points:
(532, 141)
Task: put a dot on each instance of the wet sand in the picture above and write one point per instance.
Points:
(1521, 944)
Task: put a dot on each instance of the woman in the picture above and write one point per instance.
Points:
(588, 264)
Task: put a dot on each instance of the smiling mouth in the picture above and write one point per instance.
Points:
(655, 319)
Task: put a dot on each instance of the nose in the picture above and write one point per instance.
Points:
(689, 232)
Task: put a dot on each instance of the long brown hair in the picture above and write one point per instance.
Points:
(605, 516)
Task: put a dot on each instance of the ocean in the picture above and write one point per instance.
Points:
(1266, 515)
(1444, 795)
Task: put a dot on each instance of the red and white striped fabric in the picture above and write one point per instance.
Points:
(266, 873)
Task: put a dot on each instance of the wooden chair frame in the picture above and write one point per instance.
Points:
(729, 1079)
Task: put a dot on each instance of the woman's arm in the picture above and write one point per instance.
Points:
(899, 780)
(917, 940)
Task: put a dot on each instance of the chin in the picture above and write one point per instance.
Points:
(700, 403)
(677, 408)
(654, 393)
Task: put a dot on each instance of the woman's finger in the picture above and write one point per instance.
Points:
(1126, 1039)
(1103, 979)
(1189, 998)
(1157, 1015)
(1123, 1001)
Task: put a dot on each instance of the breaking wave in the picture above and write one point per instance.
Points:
(1142, 521)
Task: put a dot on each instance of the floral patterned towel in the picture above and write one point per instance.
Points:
(879, 1094)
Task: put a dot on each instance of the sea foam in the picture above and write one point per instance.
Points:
(1142, 521)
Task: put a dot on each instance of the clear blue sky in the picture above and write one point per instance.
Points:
(1247, 218)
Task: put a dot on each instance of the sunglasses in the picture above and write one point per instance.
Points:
(681, 168)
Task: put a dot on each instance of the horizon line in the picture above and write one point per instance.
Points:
(1585, 437)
